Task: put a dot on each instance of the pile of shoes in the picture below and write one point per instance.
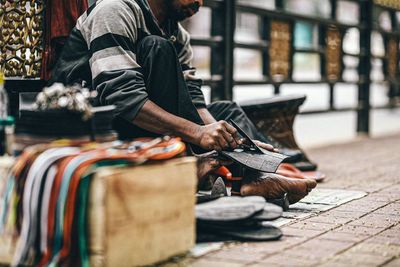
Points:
(220, 217)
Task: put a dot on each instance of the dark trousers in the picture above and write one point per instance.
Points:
(167, 88)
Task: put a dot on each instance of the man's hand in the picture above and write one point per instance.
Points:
(218, 136)
(266, 146)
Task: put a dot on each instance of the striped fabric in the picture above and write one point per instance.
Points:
(102, 50)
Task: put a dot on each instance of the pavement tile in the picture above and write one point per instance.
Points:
(358, 229)
(368, 187)
(353, 214)
(376, 220)
(365, 208)
(373, 197)
(385, 196)
(387, 240)
(176, 262)
(290, 231)
(395, 189)
(319, 249)
(329, 218)
(376, 249)
(391, 209)
(335, 264)
(393, 231)
(332, 183)
(360, 259)
(318, 226)
(203, 262)
(396, 226)
(393, 263)
(238, 253)
(351, 237)
(286, 259)
(363, 205)
(271, 247)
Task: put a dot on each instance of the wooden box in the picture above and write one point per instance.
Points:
(142, 215)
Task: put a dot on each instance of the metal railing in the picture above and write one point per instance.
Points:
(280, 22)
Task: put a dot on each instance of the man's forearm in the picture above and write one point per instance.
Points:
(217, 135)
(206, 116)
(155, 119)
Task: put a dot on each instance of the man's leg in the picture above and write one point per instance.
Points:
(165, 84)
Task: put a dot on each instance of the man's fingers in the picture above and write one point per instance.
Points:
(265, 146)
(223, 141)
(216, 146)
(229, 139)
(218, 143)
(233, 132)
(243, 141)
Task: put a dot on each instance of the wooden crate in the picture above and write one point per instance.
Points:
(137, 215)
(142, 215)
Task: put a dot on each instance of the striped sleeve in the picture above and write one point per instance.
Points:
(185, 54)
(111, 33)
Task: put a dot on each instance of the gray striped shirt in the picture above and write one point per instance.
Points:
(102, 50)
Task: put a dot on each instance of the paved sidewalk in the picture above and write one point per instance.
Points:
(362, 232)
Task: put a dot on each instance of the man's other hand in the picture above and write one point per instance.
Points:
(265, 146)
(218, 136)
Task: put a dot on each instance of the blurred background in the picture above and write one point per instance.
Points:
(321, 32)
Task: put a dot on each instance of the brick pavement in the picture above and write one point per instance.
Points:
(362, 232)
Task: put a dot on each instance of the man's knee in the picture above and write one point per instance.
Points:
(225, 108)
(230, 104)
(225, 105)
(234, 108)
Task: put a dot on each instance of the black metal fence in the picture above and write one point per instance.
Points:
(278, 50)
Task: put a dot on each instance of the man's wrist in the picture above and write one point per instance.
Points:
(192, 134)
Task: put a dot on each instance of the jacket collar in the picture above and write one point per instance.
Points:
(151, 22)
